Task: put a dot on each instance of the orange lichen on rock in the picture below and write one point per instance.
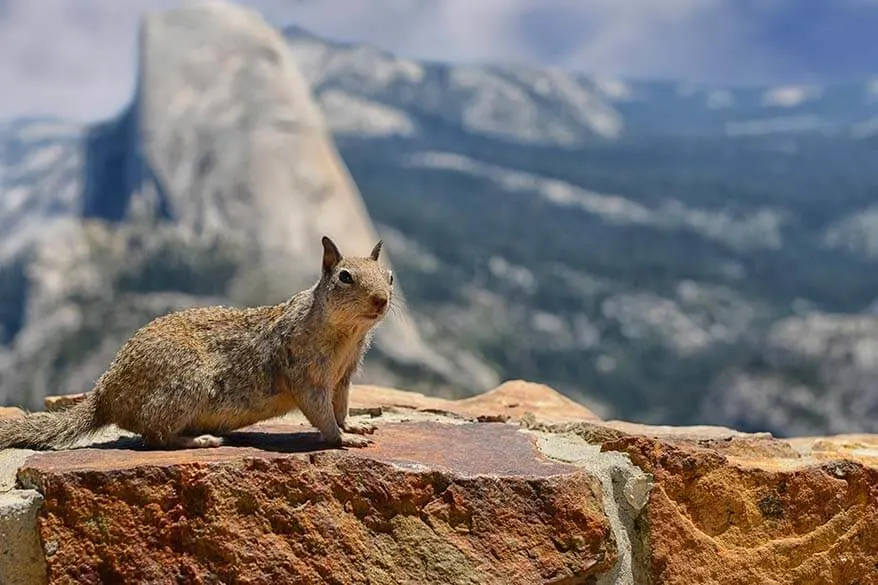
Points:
(717, 518)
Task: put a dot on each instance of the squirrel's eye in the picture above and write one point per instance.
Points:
(346, 277)
(390, 276)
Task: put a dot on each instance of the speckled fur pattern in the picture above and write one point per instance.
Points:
(189, 376)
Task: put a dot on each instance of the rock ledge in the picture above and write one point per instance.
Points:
(539, 491)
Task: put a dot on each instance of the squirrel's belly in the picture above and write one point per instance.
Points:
(226, 419)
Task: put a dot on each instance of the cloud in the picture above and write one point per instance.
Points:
(715, 41)
(703, 40)
(75, 58)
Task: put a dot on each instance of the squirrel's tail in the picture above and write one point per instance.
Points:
(51, 430)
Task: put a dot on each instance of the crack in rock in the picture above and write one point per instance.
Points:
(625, 489)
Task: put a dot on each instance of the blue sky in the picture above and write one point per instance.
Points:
(75, 58)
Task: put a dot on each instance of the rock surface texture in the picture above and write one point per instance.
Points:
(517, 485)
(430, 503)
(738, 510)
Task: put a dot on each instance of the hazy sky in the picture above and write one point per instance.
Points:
(75, 58)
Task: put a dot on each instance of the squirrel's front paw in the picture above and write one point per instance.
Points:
(354, 441)
(359, 429)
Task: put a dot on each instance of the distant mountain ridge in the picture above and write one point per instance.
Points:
(638, 244)
(368, 90)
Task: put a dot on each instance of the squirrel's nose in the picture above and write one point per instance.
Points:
(379, 302)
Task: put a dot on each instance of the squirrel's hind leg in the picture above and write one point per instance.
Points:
(178, 436)
(199, 442)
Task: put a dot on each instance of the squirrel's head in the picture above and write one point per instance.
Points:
(354, 289)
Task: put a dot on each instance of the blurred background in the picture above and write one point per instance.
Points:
(667, 210)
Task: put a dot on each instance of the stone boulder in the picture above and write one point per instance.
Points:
(11, 411)
(742, 510)
(484, 508)
(517, 485)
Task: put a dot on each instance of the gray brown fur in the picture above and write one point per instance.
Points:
(190, 375)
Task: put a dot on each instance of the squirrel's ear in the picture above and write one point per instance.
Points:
(331, 255)
(377, 250)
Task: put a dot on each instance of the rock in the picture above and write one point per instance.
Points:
(861, 448)
(10, 412)
(426, 503)
(64, 401)
(21, 557)
(10, 461)
(371, 92)
(517, 398)
(736, 512)
(438, 498)
(226, 111)
(511, 400)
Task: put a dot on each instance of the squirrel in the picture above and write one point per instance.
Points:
(185, 378)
